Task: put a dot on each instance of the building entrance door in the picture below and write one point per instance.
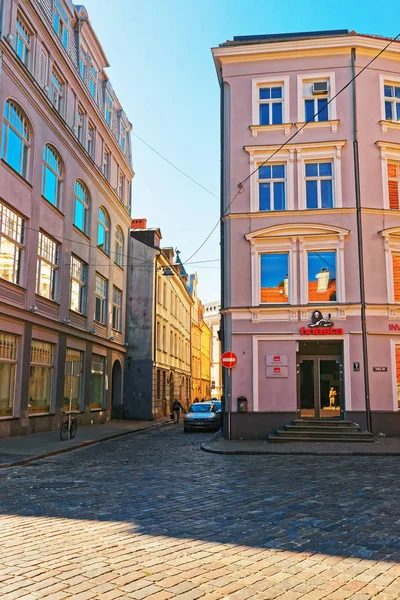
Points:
(319, 387)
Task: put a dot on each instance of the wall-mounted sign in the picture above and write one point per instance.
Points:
(321, 331)
(356, 366)
(394, 327)
(276, 359)
(321, 326)
(280, 371)
(379, 369)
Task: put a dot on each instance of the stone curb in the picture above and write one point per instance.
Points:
(25, 461)
(206, 447)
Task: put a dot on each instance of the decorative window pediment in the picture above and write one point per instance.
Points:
(296, 230)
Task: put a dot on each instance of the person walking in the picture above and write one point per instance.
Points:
(176, 410)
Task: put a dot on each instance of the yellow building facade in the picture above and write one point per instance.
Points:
(200, 348)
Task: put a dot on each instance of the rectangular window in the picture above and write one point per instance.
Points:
(164, 338)
(396, 276)
(40, 377)
(322, 276)
(78, 285)
(82, 64)
(274, 278)
(22, 44)
(98, 372)
(270, 101)
(121, 186)
(56, 91)
(44, 68)
(108, 108)
(93, 82)
(107, 164)
(122, 138)
(90, 139)
(117, 309)
(80, 123)
(100, 313)
(393, 185)
(60, 22)
(398, 375)
(158, 390)
(8, 365)
(319, 185)
(316, 106)
(392, 102)
(12, 228)
(271, 187)
(73, 380)
(47, 267)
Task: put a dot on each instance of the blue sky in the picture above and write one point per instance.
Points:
(163, 73)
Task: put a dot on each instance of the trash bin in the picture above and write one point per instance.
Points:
(242, 404)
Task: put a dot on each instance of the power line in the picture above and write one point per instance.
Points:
(311, 120)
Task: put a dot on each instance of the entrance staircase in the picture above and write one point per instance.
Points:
(310, 430)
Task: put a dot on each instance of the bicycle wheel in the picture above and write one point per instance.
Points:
(64, 431)
(72, 431)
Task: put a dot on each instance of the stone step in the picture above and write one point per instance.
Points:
(321, 428)
(276, 438)
(325, 434)
(323, 422)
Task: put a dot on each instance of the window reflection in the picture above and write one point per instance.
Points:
(274, 278)
(322, 276)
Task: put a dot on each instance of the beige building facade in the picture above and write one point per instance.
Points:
(212, 317)
(65, 174)
(201, 347)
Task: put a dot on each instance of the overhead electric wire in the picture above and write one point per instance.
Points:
(311, 120)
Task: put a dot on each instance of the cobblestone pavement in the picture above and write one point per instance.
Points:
(150, 516)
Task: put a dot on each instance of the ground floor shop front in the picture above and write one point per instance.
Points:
(313, 374)
(44, 372)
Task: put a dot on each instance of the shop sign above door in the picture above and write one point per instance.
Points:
(321, 326)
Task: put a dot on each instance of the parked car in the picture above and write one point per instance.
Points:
(202, 415)
(218, 404)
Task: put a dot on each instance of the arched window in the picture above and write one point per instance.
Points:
(119, 246)
(103, 230)
(15, 142)
(52, 175)
(81, 206)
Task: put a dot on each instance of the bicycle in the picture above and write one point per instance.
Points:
(69, 427)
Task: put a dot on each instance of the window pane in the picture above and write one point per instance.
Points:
(277, 113)
(398, 111)
(279, 195)
(45, 282)
(97, 381)
(326, 193)
(264, 196)
(75, 296)
(396, 276)
(39, 390)
(265, 93)
(323, 107)
(322, 276)
(73, 380)
(325, 169)
(397, 92)
(100, 235)
(388, 91)
(388, 111)
(278, 171)
(7, 383)
(9, 260)
(264, 114)
(311, 169)
(274, 278)
(79, 220)
(50, 186)
(264, 172)
(276, 92)
(312, 194)
(14, 151)
(309, 110)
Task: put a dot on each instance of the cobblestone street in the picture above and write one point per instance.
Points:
(151, 516)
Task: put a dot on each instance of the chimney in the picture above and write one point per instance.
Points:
(323, 279)
(139, 224)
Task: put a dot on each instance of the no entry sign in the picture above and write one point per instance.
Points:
(228, 360)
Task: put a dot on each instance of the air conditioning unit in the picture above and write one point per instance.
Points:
(319, 87)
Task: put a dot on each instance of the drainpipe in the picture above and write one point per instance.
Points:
(2, 17)
(360, 245)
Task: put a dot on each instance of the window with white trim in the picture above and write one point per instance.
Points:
(392, 101)
(92, 82)
(78, 285)
(47, 267)
(90, 139)
(56, 91)
(8, 366)
(22, 43)
(393, 175)
(107, 163)
(80, 123)
(103, 230)
(316, 108)
(15, 143)
(81, 206)
(100, 313)
(52, 175)
(319, 184)
(119, 247)
(270, 104)
(82, 63)
(272, 187)
(108, 108)
(12, 231)
(314, 92)
(321, 267)
(61, 22)
(117, 309)
(121, 186)
(274, 278)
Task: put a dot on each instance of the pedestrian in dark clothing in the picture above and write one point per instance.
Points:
(176, 410)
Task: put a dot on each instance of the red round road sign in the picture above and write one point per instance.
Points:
(228, 360)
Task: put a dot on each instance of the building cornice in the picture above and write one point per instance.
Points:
(290, 213)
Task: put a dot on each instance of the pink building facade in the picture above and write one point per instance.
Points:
(65, 173)
(311, 237)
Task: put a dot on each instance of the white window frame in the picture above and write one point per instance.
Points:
(103, 298)
(319, 179)
(390, 152)
(320, 152)
(271, 181)
(12, 230)
(118, 310)
(48, 253)
(83, 61)
(312, 77)
(257, 156)
(258, 83)
(297, 240)
(23, 33)
(385, 80)
(77, 263)
(391, 239)
(56, 93)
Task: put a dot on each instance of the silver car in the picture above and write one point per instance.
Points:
(202, 415)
